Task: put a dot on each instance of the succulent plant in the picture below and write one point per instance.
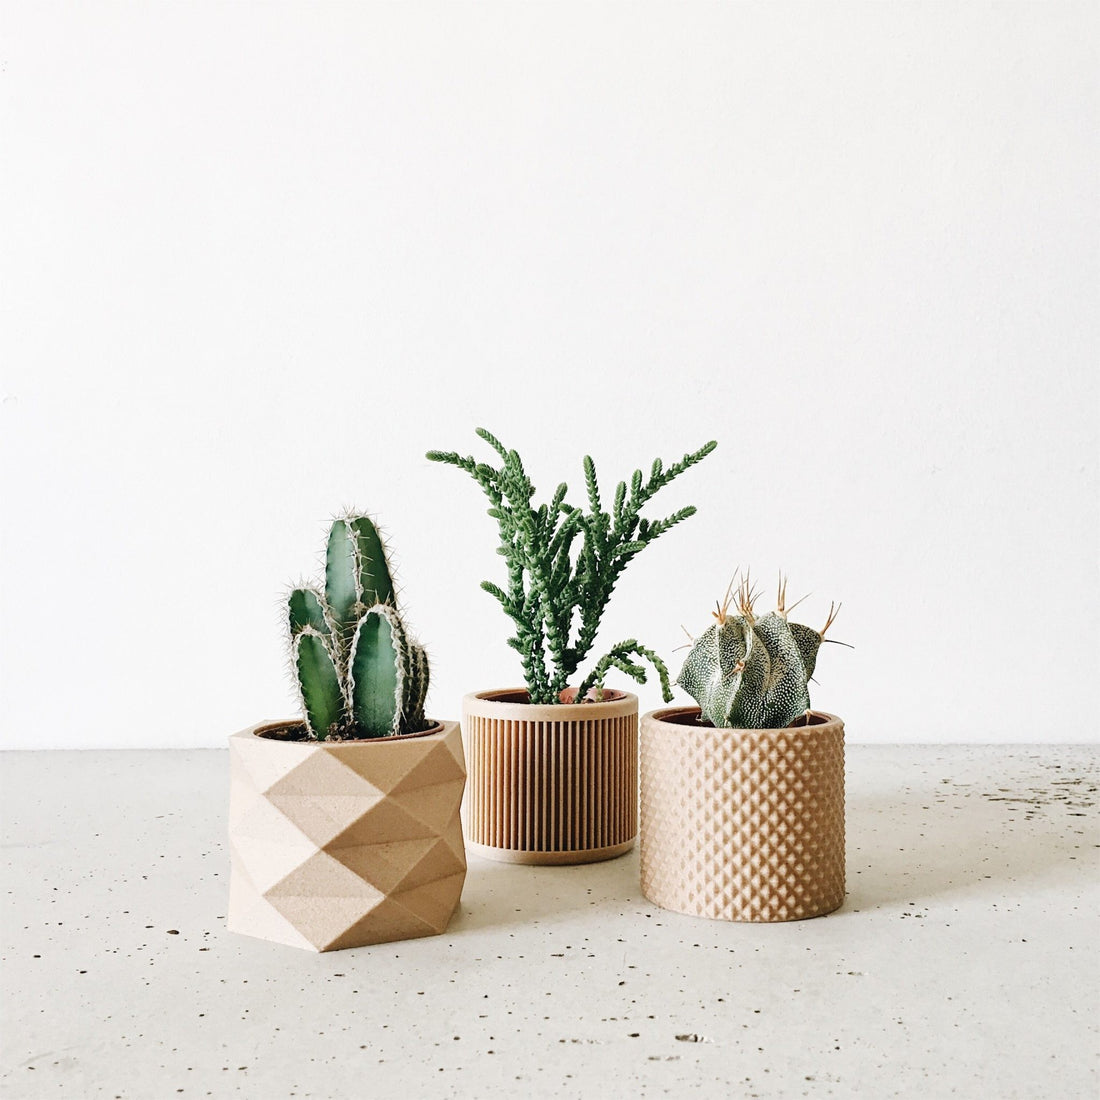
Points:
(556, 597)
(751, 672)
(359, 674)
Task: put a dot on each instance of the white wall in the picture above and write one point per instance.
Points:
(256, 259)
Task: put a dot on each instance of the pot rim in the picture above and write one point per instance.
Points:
(661, 714)
(487, 704)
(441, 728)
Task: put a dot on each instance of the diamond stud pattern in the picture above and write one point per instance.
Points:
(742, 825)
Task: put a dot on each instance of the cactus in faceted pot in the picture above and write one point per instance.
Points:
(359, 674)
(751, 672)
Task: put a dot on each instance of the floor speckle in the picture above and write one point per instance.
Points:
(964, 962)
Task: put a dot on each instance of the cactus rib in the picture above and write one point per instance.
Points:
(376, 676)
(323, 702)
(305, 607)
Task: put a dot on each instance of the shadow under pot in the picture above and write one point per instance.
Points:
(344, 843)
(742, 824)
(551, 784)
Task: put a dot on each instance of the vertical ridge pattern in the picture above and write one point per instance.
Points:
(549, 786)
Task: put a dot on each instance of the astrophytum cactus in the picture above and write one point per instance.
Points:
(751, 672)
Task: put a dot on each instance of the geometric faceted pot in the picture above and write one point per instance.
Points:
(742, 824)
(551, 784)
(344, 843)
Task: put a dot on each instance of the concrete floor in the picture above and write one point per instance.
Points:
(964, 963)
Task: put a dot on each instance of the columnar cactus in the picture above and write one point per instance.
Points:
(359, 674)
(750, 672)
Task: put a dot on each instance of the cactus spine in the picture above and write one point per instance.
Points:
(359, 674)
(751, 672)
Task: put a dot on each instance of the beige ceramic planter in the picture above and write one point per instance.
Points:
(341, 844)
(742, 825)
(551, 784)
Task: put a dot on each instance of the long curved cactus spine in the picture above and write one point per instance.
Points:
(358, 672)
(751, 672)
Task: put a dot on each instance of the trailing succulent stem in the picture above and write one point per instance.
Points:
(359, 674)
(619, 657)
(751, 672)
(563, 563)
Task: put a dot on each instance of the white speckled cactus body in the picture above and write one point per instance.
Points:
(751, 672)
(359, 675)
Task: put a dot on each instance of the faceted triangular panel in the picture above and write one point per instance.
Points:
(385, 865)
(384, 822)
(322, 919)
(263, 760)
(385, 762)
(455, 748)
(323, 876)
(250, 811)
(432, 901)
(433, 806)
(439, 766)
(440, 862)
(251, 914)
(323, 772)
(321, 817)
(322, 858)
(388, 921)
(266, 862)
(453, 838)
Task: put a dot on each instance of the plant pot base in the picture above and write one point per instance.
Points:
(727, 914)
(549, 859)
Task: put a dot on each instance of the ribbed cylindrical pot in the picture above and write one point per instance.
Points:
(550, 784)
(742, 825)
(344, 843)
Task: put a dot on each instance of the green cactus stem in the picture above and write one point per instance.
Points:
(357, 575)
(751, 672)
(416, 686)
(373, 570)
(306, 607)
(377, 671)
(323, 701)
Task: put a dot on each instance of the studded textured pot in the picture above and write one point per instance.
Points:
(551, 784)
(341, 844)
(742, 825)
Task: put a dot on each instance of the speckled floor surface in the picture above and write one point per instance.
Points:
(964, 963)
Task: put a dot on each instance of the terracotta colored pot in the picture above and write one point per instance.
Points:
(341, 844)
(551, 784)
(742, 825)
